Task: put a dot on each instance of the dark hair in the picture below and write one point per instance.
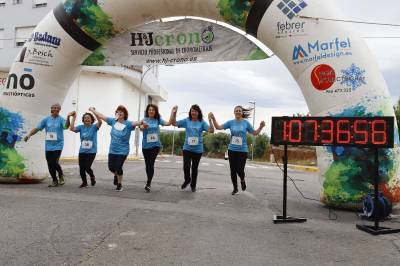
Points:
(157, 115)
(122, 109)
(196, 108)
(91, 117)
(246, 112)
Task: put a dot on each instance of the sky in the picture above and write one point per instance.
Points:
(218, 87)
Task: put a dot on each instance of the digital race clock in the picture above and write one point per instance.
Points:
(336, 131)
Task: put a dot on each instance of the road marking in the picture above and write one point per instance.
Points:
(112, 246)
(166, 161)
(69, 166)
(178, 162)
(267, 167)
(251, 166)
(220, 164)
(205, 164)
(129, 233)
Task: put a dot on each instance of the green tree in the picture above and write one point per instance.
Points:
(261, 146)
(216, 143)
(397, 112)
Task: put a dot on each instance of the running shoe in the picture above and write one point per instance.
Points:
(62, 180)
(119, 188)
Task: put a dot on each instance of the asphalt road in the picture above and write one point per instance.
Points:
(99, 226)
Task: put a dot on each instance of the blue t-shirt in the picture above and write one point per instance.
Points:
(151, 135)
(88, 138)
(120, 135)
(54, 128)
(193, 136)
(239, 131)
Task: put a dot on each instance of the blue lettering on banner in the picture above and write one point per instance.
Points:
(318, 50)
(45, 39)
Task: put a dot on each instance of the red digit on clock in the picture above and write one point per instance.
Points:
(343, 136)
(315, 129)
(327, 131)
(292, 130)
(284, 131)
(358, 125)
(379, 135)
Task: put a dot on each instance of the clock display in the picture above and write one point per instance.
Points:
(336, 131)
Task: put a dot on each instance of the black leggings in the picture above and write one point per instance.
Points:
(85, 165)
(52, 158)
(191, 159)
(116, 163)
(150, 156)
(237, 162)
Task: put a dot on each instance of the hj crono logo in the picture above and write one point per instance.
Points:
(189, 38)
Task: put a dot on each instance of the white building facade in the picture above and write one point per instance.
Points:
(102, 87)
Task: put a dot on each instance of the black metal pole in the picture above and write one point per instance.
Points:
(283, 219)
(285, 165)
(376, 187)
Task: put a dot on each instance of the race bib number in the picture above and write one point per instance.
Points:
(193, 141)
(237, 141)
(87, 144)
(152, 138)
(51, 136)
(119, 126)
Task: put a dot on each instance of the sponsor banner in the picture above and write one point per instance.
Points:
(291, 25)
(3, 80)
(27, 85)
(319, 50)
(176, 42)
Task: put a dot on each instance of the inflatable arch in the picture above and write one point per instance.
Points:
(332, 65)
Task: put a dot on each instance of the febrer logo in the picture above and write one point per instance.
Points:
(291, 7)
(318, 50)
(45, 39)
(323, 77)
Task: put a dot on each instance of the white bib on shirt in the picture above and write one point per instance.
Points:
(87, 144)
(152, 138)
(193, 141)
(51, 136)
(237, 141)
(119, 126)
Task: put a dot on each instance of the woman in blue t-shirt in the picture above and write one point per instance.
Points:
(54, 126)
(193, 147)
(119, 146)
(237, 149)
(151, 138)
(88, 149)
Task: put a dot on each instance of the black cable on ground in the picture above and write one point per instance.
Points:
(331, 213)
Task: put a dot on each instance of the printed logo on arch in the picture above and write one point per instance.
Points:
(291, 8)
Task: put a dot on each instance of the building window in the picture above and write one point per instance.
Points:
(2, 2)
(17, 2)
(22, 35)
(39, 3)
(1, 38)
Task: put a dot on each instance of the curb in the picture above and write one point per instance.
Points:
(100, 158)
(304, 168)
